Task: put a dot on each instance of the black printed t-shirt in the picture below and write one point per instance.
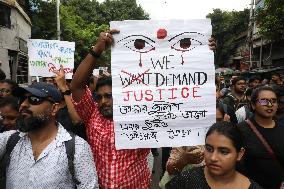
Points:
(195, 179)
(258, 164)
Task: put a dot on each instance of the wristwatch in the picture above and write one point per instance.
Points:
(93, 53)
(67, 92)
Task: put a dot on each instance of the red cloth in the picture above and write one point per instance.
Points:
(123, 169)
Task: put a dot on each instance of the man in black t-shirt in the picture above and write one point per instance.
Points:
(259, 165)
(236, 98)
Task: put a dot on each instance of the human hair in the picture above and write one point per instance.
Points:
(229, 130)
(216, 80)
(10, 101)
(275, 74)
(68, 80)
(256, 92)
(45, 78)
(103, 81)
(254, 78)
(279, 89)
(248, 92)
(2, 74)
(12, 83)
(221, 107)
(235, 80)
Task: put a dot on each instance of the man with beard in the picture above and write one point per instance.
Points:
(127, 169)
(40, 158)
(264, 163)
(236, 98)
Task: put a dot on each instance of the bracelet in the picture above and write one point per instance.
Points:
(93, 53)
(67, 92)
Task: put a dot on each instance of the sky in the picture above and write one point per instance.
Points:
(188, 9)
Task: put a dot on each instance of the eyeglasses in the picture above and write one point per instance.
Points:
(5, 90)
(99, 97)
(266, 102)
(34, 100)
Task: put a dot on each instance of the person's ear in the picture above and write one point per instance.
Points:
(55, 108)
(241, 154)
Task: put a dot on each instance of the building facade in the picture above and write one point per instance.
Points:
(15, 30)
(265, 53)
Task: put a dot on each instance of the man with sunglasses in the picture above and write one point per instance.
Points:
(260, 163)
(40, 158)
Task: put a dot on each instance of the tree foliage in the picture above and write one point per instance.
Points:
(227, 26)
(271, 19)
(43, 16)
(81, 20)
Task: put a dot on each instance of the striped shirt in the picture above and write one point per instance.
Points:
(51, 169)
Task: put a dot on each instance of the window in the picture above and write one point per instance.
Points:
(5, 13)
(22, 69)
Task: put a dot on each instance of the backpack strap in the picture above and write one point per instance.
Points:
(70, 151)
(5, 161)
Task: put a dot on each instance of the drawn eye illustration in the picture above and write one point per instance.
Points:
(138, 43)
(186, 41)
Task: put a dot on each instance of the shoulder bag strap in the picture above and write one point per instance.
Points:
(265, 143)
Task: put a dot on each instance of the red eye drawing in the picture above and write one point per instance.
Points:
(138, 43)
(185, 42)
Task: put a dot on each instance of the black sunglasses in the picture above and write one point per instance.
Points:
(99, 97)
(34, 100)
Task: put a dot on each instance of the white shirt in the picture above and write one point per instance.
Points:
(241, 114)
(50, 170)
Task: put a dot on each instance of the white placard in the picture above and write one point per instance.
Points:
(47, 55)
(163, 83)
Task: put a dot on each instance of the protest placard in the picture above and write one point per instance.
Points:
(47, 55)
(163, 83)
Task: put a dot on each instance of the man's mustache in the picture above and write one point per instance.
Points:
(26, 111)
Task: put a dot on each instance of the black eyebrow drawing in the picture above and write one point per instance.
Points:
(186, 33)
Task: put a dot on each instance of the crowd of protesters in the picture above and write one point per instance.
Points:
(59, 133)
